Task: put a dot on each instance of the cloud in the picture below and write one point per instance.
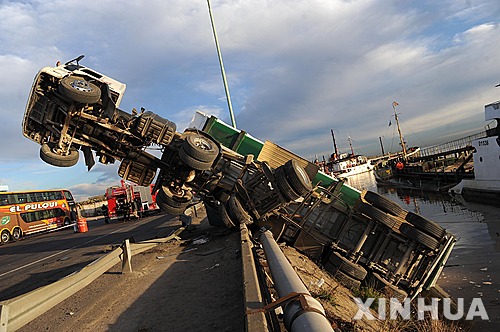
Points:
(295, 69)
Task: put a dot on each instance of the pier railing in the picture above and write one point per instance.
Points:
(450, 147)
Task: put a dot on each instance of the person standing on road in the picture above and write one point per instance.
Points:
(126, 210)
(105, 213)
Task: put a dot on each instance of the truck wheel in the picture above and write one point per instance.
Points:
(226, 219)
(377, 215)
(200, 147)
(16, 234)
(376, 281)
(426, 225)
(169, 209)
(237, 212)
(299, 180)
(351, 269)
(194, 163)
(175, 199)
(384, 204)
(5, 236)
(345, 280)
(414, 234)
(284, 186)
(171, 202)
(48, 155)
(79, 90)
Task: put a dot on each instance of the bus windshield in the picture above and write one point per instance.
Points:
(27, 212)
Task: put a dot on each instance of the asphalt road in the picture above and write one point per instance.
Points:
(39, 260)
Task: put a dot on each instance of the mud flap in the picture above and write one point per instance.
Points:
(89, 157)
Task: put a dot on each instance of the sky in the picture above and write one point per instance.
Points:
(295, 70)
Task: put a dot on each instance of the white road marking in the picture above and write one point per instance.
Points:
(58, 253)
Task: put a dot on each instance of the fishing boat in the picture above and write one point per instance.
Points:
(485, 186)
(347, 164)
(435, 168)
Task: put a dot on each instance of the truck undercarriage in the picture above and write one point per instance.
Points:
(360, 237)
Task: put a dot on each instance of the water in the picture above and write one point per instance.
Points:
(473, 269)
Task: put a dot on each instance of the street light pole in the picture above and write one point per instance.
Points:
(226, 88)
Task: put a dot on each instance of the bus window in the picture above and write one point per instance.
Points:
(68, 195)
(31, 197)
(51, 195)
(20, 198)
(4, 199)
(41, 215)
(11, 198)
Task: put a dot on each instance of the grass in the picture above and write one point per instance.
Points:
(325, 295)
(368, 292)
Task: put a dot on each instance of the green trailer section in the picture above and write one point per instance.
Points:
(244, 144)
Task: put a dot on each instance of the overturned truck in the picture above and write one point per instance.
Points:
(357, 236)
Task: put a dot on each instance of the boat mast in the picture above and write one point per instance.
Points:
(335, 150)
(350, 144)
(403, 145)
(381, 145)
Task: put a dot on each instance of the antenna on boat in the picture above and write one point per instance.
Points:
(228, 97)
(403, 145)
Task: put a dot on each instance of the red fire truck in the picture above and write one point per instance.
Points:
(131, 198)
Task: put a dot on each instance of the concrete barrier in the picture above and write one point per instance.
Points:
(255, 320)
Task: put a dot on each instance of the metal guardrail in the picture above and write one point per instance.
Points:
(17, 312)
(458, 144)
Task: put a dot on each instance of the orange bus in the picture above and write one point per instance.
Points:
(27, 212)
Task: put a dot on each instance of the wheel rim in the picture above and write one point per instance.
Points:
(303, 173)
(5, 237)
(202, 143)
(81, 85)
(16, 234)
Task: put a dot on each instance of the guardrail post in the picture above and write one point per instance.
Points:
(4, 317)
(127, 254)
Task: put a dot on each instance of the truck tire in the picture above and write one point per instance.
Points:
(168, 209)
(175, 199)
(377, 282)
(226, 219)
(79, 90)
(173, 204)
(48, 155)
(284, 186)
(200, 147)
(193, 162)
(346, 280)
(351, 269)
(377, 215)
(237, 212)
(384, 204)
(418, 236)
(298, 178)
(426, 225)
